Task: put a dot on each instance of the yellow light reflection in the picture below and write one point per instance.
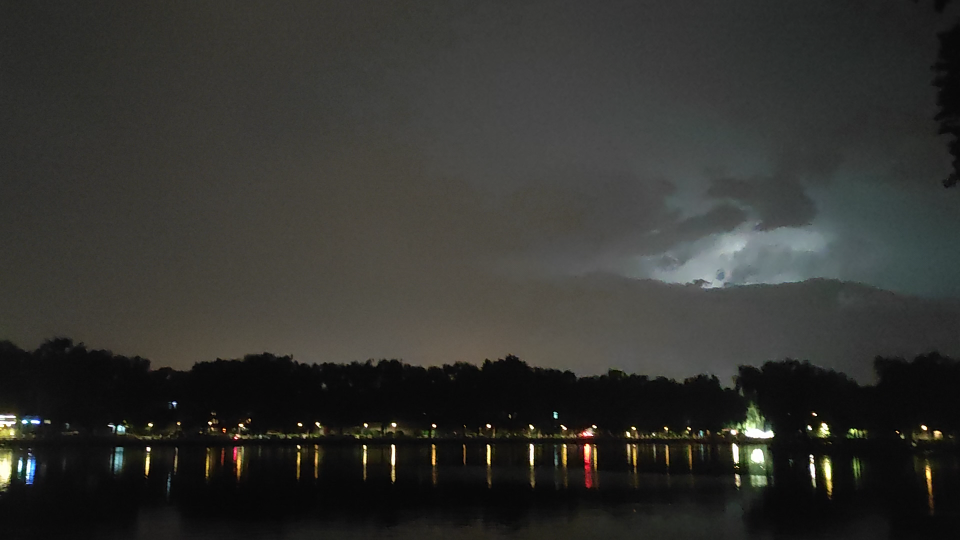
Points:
(299, 452)
(666, 451)
(635, 449)
(489, 467)
(363, 460)
(146, 464)
(433, 464)
(6, 468)
(928, 474)
(736, 453)
(690, 458)
(464, 455)
(857, 467)
(737, 481)
(827, 466)
(238, 452)
(563, 464)
(393, 463)
(316, 461)
(629, 449)
(176, 460)
(209, 464)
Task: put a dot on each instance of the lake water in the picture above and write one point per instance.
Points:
(450, 490)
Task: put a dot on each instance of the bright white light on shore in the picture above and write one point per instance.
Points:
(393, 424)
(756, 456)
(924, 428)
(489, 426)
(754, 433)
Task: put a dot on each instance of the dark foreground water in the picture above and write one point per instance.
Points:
(450, 490)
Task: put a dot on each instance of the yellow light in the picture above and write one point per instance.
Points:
(489, 426)
(813, 414)
(594, 426)
(178, 423)
(531, 427)
(299, 424)
(149, 424)
(633, 428)
(365, 425)
(433, 426)
(563, 427)
(393, 424)
(240, 425)
(665, 428)
(317, 423)
(923, 428)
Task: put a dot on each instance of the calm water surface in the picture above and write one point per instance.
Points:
(451, 490)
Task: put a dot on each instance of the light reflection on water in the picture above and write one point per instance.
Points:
(741, 475)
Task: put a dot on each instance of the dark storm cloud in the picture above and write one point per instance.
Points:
(778, 202)
(453, 180)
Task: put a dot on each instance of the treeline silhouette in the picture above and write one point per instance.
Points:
(70, 384)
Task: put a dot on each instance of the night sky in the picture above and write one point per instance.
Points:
(660, 187)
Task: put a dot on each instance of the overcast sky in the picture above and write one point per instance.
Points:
(660, 187)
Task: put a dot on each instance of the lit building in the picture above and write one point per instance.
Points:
(8, 426)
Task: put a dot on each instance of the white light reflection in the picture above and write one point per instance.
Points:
(393, 463)
(31, 471)
(813, 473)
(533, 476)
(116, 462)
